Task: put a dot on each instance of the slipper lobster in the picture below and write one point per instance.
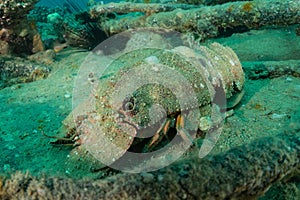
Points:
(153, 102)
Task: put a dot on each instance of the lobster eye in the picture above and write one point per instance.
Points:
(128, 106)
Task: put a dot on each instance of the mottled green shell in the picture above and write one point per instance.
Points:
(156, 93)
(142, 87)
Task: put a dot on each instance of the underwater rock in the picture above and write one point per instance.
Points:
(37, 44)
(271, 69)
(15, 70)
(124, 7)
(4, 47)
(14, 12)
(23, 39)
(194, 2)
(18, 35)
(209, 21)
(45, 57)
(245, 172)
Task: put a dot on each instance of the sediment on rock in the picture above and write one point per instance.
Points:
(18, 35)
(12, 12)
(271, 69)
(207, 21)
(151, 7)
(243, 172)
(125, 7)
(15, 70)
(195, 2)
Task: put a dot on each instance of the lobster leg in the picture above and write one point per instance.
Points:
(158, 136)
(181, 131)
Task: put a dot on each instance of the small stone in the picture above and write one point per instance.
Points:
(160, 178)
(67, 96)
(147, 177)
(38, 45)
(44, 57)
(24, 33)
(278, 116)
(62, 107)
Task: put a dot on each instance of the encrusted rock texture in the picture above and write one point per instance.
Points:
(17, 34)
(245, 172)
